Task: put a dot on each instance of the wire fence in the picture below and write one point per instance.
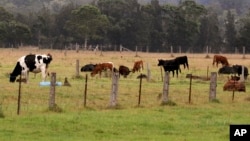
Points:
(35, 98)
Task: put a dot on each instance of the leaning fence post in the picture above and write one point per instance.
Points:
(114, 89)
(52, 103)
(165, 88)
(213, 85)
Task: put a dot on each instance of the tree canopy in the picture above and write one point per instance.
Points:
(154, 26)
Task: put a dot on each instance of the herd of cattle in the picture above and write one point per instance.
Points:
(39, 63)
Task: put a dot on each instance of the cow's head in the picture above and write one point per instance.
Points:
(47, 59)
(160, 62)
(17, 71)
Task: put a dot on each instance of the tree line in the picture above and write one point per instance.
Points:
(188, 26)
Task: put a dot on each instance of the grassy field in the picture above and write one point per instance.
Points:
(199, 120)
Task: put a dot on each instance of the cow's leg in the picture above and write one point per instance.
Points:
(43, 71)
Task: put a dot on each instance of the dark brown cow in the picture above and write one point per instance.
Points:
(220, 59)
(124, 71)
(138, 65)
(101, 67)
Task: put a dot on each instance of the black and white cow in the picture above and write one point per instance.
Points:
(31, 63)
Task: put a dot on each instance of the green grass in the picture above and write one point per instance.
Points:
(200, 120)
(159, 123)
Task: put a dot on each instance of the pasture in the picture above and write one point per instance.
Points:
(199, 120)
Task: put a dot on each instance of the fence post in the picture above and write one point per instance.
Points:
(52, 103)
(77, 68)
(85, 91)
(190, 90)
(165, 88)
(171, 50)
(139, 98)
(213, 85)
(114, 89)
(19, 96)
(148, 72)
(244, 52)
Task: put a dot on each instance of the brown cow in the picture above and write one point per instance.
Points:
(124, 71)
(101, 67)
(220, 59)
(138, 65)
(232, 85)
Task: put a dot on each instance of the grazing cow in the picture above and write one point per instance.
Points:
(88, 68)
(170, 66)
(232, 85)
(101, 67)
(220, 59)
(235, 69)
(183, 60)
(138, 66)
(227, 70)
(238, 70)
(124, 71)
(31, 63)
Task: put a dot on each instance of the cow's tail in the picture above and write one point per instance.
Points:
(17, 71)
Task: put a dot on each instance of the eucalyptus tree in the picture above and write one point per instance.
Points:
(188, 32)
(61, 34)
(12, 32)
(209, 35)
(125, 20)
(87, 23)
(230, 33)
(156, 32)
(43, 28)
(244, 32)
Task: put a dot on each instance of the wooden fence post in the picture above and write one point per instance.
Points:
(77, 68)
(52, 103)
(19, 96)
(139, 98)
(114, 89)
(190, 90)
(85, 91)
(148, 72)
(171, 49)
(213, 85)
(244, 52)
(165, 88)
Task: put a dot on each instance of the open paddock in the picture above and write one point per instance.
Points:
(199, 120)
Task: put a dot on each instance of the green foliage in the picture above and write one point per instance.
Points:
(152, 26)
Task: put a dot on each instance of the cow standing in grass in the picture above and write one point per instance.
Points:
(183, 60)
(35, 63)
(138, 66)
(219, 59)
(170, 66)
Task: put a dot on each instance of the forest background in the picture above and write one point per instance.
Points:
(148, 25)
